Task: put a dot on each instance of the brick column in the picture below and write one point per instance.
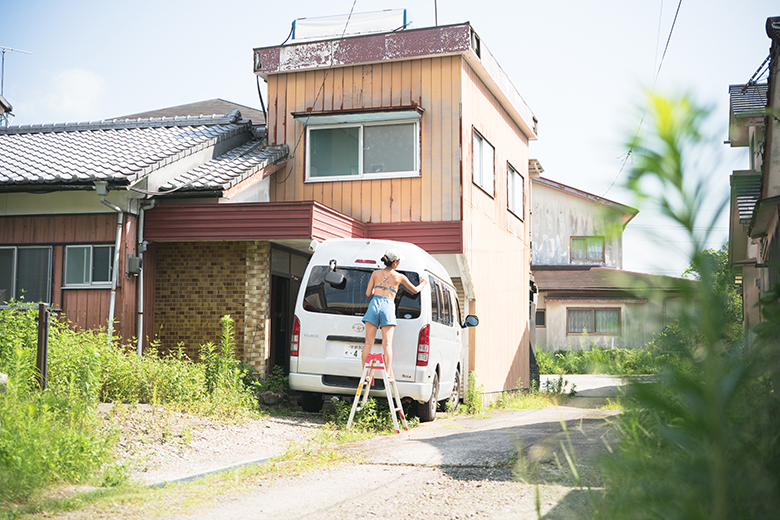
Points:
(257, 311)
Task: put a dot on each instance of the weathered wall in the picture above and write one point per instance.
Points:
(558, 216)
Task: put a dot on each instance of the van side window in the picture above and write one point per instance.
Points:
(457, 309)
(435, 303)
(446, 307)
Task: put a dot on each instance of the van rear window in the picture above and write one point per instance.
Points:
(350, 296)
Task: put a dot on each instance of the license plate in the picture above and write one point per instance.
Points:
(353, 351)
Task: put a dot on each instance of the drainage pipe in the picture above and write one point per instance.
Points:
(102, 190)
(140, 306)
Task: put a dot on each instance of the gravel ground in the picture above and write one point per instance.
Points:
(159, 445)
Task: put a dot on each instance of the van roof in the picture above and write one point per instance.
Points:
(354, 252)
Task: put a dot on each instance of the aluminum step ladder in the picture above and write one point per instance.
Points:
(377, 362)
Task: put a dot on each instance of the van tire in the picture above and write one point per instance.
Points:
(454, 398)
(427, 411)
(311, 402)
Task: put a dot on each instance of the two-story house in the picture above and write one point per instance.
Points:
(413, 135)
(754, 224)
(585, 298)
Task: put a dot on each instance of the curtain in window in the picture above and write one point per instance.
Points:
(6, 275)
(607, 321)
(389, 148)
(595, 248)
(32, 274)
(580, 319)
(579, 249)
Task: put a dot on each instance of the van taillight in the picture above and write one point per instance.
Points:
(423, 346)
(295, 336)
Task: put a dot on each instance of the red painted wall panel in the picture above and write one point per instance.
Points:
(435, 237)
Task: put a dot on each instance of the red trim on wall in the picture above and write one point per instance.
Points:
(251, 221)
(444, 237)
(289, 220)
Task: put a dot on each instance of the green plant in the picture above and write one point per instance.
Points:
(701, 441)
(474, 395)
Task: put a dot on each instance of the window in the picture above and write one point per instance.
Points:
(483, 159)
(89, 265)
(435, 301)
(587, 248)
(516, 195)
(363, 150)
(349, 298)
(25, 274)
(593, 321)
(540, 318)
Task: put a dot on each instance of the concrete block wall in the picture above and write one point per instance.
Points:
(199, 282)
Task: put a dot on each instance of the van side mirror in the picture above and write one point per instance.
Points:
(470, 321)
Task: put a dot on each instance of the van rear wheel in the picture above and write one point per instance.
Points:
(311, 402)
(454, 398)
(427, 411)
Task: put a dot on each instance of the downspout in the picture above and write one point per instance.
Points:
(102, 190)
(141, 251)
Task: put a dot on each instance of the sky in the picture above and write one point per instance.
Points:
(582, 67)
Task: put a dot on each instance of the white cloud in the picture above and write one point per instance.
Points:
(76, 95)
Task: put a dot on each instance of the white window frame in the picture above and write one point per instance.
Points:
(415, 172)
(14, 274)
(91, 259)
(480, 163)
(512, 178)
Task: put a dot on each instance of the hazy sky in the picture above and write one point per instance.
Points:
(581, 67)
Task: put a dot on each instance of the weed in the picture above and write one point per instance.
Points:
(474, 395)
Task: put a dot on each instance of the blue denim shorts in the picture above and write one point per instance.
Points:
(381, 311)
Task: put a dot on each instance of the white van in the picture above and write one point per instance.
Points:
(429, 344)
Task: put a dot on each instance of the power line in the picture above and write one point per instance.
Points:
(658, 73)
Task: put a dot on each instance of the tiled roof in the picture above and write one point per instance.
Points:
(746, 187)
(210, 106)
(228, 169)
(116, 151)
(748, 101)
(576, 278)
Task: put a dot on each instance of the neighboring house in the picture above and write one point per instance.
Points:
(754, 224)
(411, 135)
(417, 135)
(73, 198)
(585, 298)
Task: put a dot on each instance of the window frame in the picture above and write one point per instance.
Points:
(15, 273)
(586, 238)
(593, 321)
(543, 314)
(90, 268)
(361, 175)
(510, 183)
(479, 181)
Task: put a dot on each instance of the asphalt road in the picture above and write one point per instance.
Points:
(457, 467)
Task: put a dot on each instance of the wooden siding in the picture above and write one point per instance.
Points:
(432, 84)
(84, 308)
(58, 229)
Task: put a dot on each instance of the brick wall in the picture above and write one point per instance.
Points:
(199, 282)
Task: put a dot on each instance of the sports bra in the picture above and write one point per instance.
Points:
(387, 288)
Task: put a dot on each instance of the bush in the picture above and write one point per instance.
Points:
(617, 361)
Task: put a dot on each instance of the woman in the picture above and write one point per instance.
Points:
(383, 286)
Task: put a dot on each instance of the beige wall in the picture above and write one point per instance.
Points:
(497, 244)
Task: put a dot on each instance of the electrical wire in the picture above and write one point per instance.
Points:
(642, 119)
(317, 97)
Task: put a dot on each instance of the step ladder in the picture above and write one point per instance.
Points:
(377, 362)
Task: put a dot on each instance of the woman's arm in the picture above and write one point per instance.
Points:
(415, 289)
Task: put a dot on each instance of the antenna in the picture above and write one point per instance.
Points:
(2, 71)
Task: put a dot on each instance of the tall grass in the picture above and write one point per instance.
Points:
(702, 442)
(52, 436)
